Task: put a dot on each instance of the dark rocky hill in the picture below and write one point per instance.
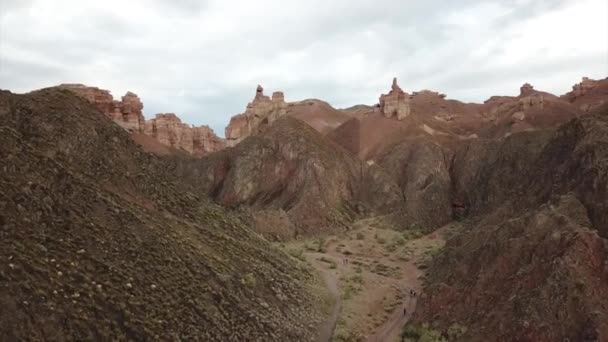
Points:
(100, 241)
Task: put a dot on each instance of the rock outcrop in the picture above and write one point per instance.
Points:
(526, 90)
(126, 113)
(260, 113)
(168, 129)
(396, 103)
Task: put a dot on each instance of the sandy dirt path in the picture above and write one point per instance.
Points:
(330, 278)
(369, 272)
(391, 329)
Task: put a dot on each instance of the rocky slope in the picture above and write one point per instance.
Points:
(167, 128)
(531, 265)
(422, 170)
(536, 275)
(100, 241)
(292, 168)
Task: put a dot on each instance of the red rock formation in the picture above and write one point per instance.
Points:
(166, 128)
(588, 94)
(583, 87)
(395, 103)
(526, 90)
(126, 113)
(261, 112)
(169, 130)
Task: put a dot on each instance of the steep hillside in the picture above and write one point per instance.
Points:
(422, 170)
(292, 168)
(531, 264)
(538, 275)
(100, 241)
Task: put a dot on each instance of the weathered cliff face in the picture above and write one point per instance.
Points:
(260, 113)
(169, 130)
(421, 168)
(166, 128)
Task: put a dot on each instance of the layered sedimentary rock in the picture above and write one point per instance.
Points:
(395, 103)
(261, 112)
(168, 129)
(126, 113)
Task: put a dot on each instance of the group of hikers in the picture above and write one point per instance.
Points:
(413, 294)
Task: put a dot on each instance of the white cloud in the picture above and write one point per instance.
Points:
(203, 59)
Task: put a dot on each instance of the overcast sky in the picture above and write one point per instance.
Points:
(203, 59)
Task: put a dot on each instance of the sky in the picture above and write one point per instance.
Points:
(203, 59)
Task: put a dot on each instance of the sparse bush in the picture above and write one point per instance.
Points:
(360, 236)
(321, 245)
(249, 280)
(381, 240)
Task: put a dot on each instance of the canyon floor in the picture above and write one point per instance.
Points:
(370, 271)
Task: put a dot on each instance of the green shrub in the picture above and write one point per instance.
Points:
(249, 280)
